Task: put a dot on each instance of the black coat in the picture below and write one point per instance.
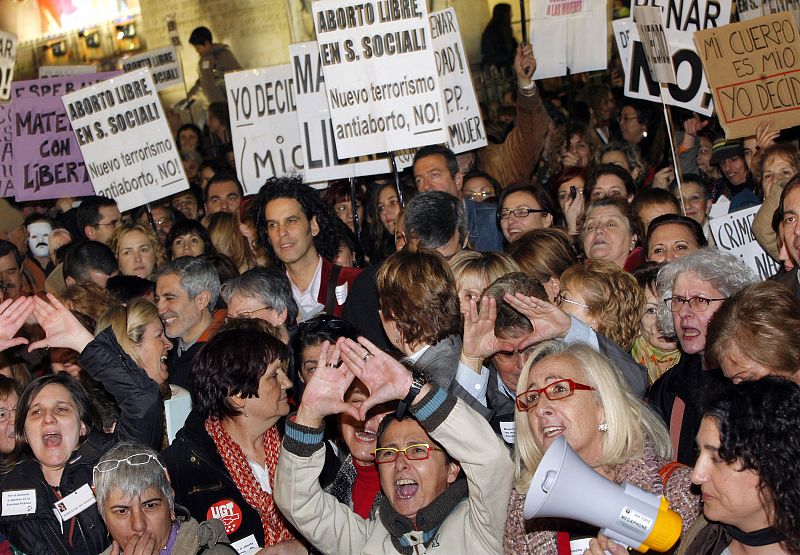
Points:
(140, 421)
(200, 481)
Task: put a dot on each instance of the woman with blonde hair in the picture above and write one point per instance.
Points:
(605, 297)
(474, 271)
(138, 251)
(574, 391)
(227, 238)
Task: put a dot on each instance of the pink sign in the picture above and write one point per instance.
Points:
(6, 159)
(47, 160)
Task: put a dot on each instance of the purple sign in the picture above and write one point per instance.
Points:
(6, 159)
(47, 161)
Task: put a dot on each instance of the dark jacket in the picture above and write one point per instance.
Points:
(211, 70)
(201, 481)
(677, 396)
(140, 422)
(344, 281)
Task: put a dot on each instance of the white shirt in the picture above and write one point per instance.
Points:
(307, 299)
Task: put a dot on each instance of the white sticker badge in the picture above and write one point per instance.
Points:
(19, 502)
(74, 503)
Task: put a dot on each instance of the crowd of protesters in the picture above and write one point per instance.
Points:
(380, 366)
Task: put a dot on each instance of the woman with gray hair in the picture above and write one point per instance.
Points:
(137, 503)
(573, 391)
(693, 289)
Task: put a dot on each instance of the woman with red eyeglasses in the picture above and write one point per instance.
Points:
(575, 392)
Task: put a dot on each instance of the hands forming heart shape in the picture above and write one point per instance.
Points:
(61, 327)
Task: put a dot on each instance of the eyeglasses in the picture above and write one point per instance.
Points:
(479, 195)
(561, 299)
(626, 119)
(416, 452)
(137, 459)
(5, 414)
(698, 304)
(555, 391)
(248, 314)
(519, 212)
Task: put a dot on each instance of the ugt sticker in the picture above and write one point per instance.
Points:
(228, 512)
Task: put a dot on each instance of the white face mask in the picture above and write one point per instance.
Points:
(37, 242)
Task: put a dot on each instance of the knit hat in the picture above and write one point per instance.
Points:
(10, 217)
(724, 149)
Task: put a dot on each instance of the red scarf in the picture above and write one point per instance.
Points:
(238, 466)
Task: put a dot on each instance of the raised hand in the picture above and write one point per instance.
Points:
(765, 136)
(548, 321)
(324, 392)
(524, 65)
(572, 212)
(12, 316)
(386, 379)
(479, 342)
(61, 327)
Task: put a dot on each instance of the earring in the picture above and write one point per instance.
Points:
(644, 134)
(602, 427)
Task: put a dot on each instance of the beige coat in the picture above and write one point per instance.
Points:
(475, 526)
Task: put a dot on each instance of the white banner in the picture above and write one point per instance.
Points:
(125, 140)
(164, 64)
(734, 234)
(681, 19)
(380, 75)
(322, 161)
(465, 130)
(654, 40)
(568, 34)
(8, 57)
(63, 71)
(622, 32)
(266, 139)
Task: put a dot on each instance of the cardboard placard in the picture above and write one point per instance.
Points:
(568, 34)
(380, 75)
(266, 139)
(680, 19)
(48, 162)
(164, 64)
(750, 9)
(734, 234)
(6, 150)
(322, 160)
(654, 40)
(172, 30)
(622, 36)
(8, 58)
(63, 71)
(125, 140)
(754, 69)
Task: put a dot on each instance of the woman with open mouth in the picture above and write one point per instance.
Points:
(60, 438)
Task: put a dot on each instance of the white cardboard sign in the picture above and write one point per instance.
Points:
(654, 40)
(266, 139)
(125, 140)
(734, 234)
(380, 75)
(164, 64)
(8, 57)
(63, 71)
(568, 34)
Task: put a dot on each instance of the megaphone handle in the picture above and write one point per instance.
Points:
(624, 541)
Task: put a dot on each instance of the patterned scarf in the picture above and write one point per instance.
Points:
(238, 467)
(653, 358)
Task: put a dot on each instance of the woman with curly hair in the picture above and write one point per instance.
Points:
(747, 470)
(605, 297)
(138, 251)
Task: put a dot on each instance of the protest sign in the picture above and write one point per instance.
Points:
(754, 70)
(734, 234)
(165, 67)
(750, 9)
(6, 158)
(8, 57)
(465, 129)
(266, 139)
(61, 71)
(172, 30)
(622, 31)
(380, 75)
(654, 41)
(125, 140)
(681, 18)
(568, 34)
(322, 161)
(47, 159)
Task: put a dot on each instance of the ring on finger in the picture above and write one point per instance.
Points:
(367, 355)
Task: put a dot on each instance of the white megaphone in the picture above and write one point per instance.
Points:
(566, 487)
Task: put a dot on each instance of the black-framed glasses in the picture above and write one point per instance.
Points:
(5, 414)
(416, 452)
(561, 299)
(137, 459)
(555, 391)
(522, 212)
(698, 304)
